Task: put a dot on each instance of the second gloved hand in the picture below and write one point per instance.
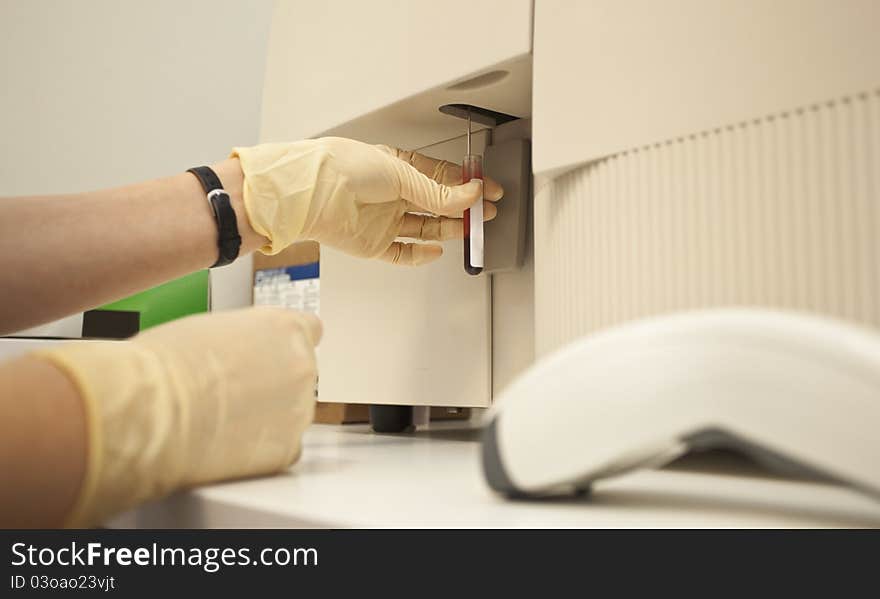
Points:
(356, 197)
(201, 399)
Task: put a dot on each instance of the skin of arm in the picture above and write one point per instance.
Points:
(144, 234)
(103, 245)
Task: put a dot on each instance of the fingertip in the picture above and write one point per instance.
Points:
(474, 188)
(467, 194)
(423, 253)
(490, 211)
(492, 190)
(313, 326)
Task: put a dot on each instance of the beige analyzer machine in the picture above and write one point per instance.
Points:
(718, 154)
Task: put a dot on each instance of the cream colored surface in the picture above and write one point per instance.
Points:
(429, 328)
(68, 327)
(433, 326)
(416, 121)
(777, 212)
(181, 405)
(350, 477)
(413, 336)
(610, 75)
(331, 62)
(379, 75)
(104, 93)
(425, 342)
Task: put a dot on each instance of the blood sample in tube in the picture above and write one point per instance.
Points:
(472, 168)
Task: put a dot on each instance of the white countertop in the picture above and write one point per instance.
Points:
(351, 477)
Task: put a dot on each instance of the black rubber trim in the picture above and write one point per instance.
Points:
(493, 467)
(718, 438)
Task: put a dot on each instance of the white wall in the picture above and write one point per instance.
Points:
(100, 93)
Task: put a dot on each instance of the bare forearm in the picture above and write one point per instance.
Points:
(64, 254)
(42, 444)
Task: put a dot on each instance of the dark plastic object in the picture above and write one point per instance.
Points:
(391, 419)
(110, 324)
(478, 114)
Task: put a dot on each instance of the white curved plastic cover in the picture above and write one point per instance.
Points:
(793, 385)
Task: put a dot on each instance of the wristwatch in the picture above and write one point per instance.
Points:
(228, 239)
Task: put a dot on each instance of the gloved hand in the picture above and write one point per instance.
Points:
(201, 399)
(356, 197)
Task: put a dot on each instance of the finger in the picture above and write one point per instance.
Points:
(435, 197)
(449, 173)
(443, 171)
(434, 228)
(313, 327)
(286, 319)
(490, 211)
(411, 254)
(430, 228)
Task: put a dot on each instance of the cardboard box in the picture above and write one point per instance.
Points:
(341, 413)
(304, 252)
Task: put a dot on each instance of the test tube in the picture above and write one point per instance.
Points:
(472, 168)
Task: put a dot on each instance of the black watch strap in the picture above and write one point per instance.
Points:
(228, 239)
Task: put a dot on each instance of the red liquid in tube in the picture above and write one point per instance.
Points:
(472, 168)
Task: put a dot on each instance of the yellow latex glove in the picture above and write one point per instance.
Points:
(201, 399)
(357, 197)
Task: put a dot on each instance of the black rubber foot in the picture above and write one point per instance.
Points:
(391, 419)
